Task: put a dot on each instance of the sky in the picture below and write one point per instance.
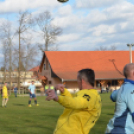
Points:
(87, 24)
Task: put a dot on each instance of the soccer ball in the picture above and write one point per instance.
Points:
(62, 0)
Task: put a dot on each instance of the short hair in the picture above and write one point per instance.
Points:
(88, 75)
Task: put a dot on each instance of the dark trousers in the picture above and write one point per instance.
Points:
(15, 93)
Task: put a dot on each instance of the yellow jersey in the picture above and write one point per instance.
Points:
(81, 112)
(4, 91)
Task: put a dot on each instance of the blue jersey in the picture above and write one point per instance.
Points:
(123, 119)
(15, 89)
(32, 88)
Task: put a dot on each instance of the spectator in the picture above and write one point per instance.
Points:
(15, 91)
(107, 88)
(42, 90)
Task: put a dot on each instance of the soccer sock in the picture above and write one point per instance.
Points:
(3, 102)
(35, 101)
(29, 102)
(6, 102)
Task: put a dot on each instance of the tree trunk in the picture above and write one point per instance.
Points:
(19, 63)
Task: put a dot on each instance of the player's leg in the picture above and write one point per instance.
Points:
(29, 102)
(35, 100)
(3, 102)
(15, 93)
(6, 100)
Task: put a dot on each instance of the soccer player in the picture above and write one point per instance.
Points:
(15, 91)
(81, 111)
(32, 90)
(123, 119)
(4, 95)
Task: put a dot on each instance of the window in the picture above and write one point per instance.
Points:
(49, 82)
(49, 66)
(114, 83)
(44, 67)
(98, 84)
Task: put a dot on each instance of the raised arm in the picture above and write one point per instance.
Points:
(63, 90)
(82, 101)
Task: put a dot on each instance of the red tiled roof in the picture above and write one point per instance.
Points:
(35, 69)
(65, 64)
(41, 77)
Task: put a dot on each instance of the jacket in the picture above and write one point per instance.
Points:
(81, 112)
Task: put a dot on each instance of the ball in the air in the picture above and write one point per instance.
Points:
(62, 0)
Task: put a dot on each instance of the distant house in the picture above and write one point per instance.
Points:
(62, 67)
(25, 78)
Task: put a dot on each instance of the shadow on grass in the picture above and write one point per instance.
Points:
(19, 104)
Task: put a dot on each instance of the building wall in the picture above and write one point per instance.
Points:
(46, 70)
(72, 85)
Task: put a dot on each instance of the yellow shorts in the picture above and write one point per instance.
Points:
(5, 97)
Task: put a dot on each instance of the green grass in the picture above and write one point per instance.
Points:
(18, 118)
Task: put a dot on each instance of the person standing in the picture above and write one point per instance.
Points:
(107, 88)
(4, 95)
(123, 119)
(15, 91)
(82, 110)
(42, 90)
(32, 91)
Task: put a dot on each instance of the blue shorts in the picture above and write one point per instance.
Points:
(32, 95)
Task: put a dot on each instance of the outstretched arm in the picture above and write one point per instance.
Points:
(82, 101)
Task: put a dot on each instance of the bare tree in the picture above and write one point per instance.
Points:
(20, 58)
(101, 48)
(5, 59)
(6, 38)
(48, 31)
(29, 57)
(24, 23)
(104, 48)
(112, 47)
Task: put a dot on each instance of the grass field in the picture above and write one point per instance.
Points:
(18, 118)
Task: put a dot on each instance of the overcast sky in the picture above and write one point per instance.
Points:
(87, 24)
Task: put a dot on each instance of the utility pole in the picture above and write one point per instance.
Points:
(130, 51)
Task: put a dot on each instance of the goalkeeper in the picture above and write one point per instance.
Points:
(81, 111)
